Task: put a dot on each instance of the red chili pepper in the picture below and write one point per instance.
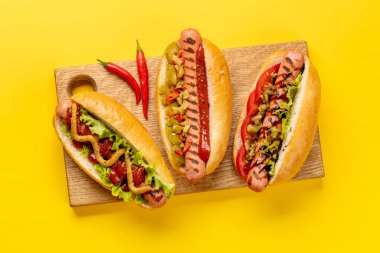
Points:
(187, 146)
(125, 75)
(178, 117)
(185, 149)
(179, 152)
(142, 69)
(170, 97)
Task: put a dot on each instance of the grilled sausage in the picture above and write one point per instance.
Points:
(156, 198)
(190, 41)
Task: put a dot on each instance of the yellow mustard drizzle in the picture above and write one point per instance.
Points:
(94, 141)
(131, 185)
(107, 163)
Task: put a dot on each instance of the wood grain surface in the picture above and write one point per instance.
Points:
(244, 64)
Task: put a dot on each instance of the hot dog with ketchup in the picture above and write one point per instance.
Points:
(193, 93)
(278, 122)
(110, 145)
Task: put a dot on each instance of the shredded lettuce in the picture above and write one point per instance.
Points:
(168, 188)
(85, 150)
(139, 199)
(104, 174)
(66, 131)
(284, 110)
(118, 192)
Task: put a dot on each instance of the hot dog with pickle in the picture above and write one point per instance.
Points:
(277, 125)
(193, 93)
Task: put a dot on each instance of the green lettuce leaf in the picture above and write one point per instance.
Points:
(126, 196)
(168, 188)
(66, 131)
(96, 126)
(139, 199)
(119, 143)
(84, 152)
(116, 190)
(104, 174)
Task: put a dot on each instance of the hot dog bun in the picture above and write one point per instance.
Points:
(300, 134)
(122, 122)
(220, 98)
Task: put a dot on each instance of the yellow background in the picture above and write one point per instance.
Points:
(338, 212)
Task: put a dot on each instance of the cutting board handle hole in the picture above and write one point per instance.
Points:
(81, 83)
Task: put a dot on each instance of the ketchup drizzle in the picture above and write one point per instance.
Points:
(204, 107)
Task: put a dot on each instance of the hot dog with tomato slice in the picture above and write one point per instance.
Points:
(194, 104)
(110, 145)
(278, 122)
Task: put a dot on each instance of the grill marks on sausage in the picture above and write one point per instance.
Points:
(286, 69)
(195, 145)
(190, 76)
(192, 119)
(193, 102)
(189, 59)
(288, 60)
(190, 41)
(193, 161)
(193, 110)
(190, 50)
(193, 152)
(194, 127)
(193, 135)
(191, 84)
(189, 68)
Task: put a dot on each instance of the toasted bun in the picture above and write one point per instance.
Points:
(122, 122)
(300, 134)
(220, 98)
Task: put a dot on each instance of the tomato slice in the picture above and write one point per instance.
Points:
(242, 167)
(254, 97)
(91, 157)
(77, 145)
(243, 131)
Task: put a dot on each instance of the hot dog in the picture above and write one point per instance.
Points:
(112, 147)
(194, 104)
(277, 125)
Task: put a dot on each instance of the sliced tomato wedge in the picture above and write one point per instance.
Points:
(242, 167)
(254, 98)
(243, 131)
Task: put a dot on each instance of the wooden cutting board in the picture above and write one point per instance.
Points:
(244, 64)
